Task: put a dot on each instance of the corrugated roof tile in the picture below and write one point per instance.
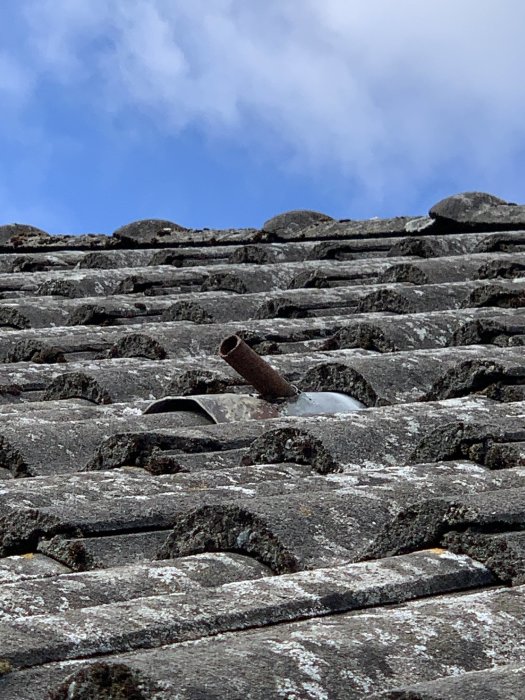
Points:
(149, 551)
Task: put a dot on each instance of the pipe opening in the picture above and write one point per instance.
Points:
(229, 344)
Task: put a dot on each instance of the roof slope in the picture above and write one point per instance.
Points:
(199, 547)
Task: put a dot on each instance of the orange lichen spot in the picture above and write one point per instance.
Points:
(5, 667)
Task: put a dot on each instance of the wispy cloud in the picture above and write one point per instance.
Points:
(384, 93)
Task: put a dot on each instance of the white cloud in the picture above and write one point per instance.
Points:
(383, 91)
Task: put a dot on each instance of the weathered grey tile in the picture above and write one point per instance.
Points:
(478, 211)
(28, 566)
(335, 656)
(48, 449)
(434, 329)
(420, 375)
(455, 268)
(499, 683)
(403, 299)
(426, 521)
(55, 593)
(378, 437)
(165, 619)
(503, 553)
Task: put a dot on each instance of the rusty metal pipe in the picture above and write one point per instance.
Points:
(254, 369)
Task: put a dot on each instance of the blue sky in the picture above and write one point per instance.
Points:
(223, 113)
